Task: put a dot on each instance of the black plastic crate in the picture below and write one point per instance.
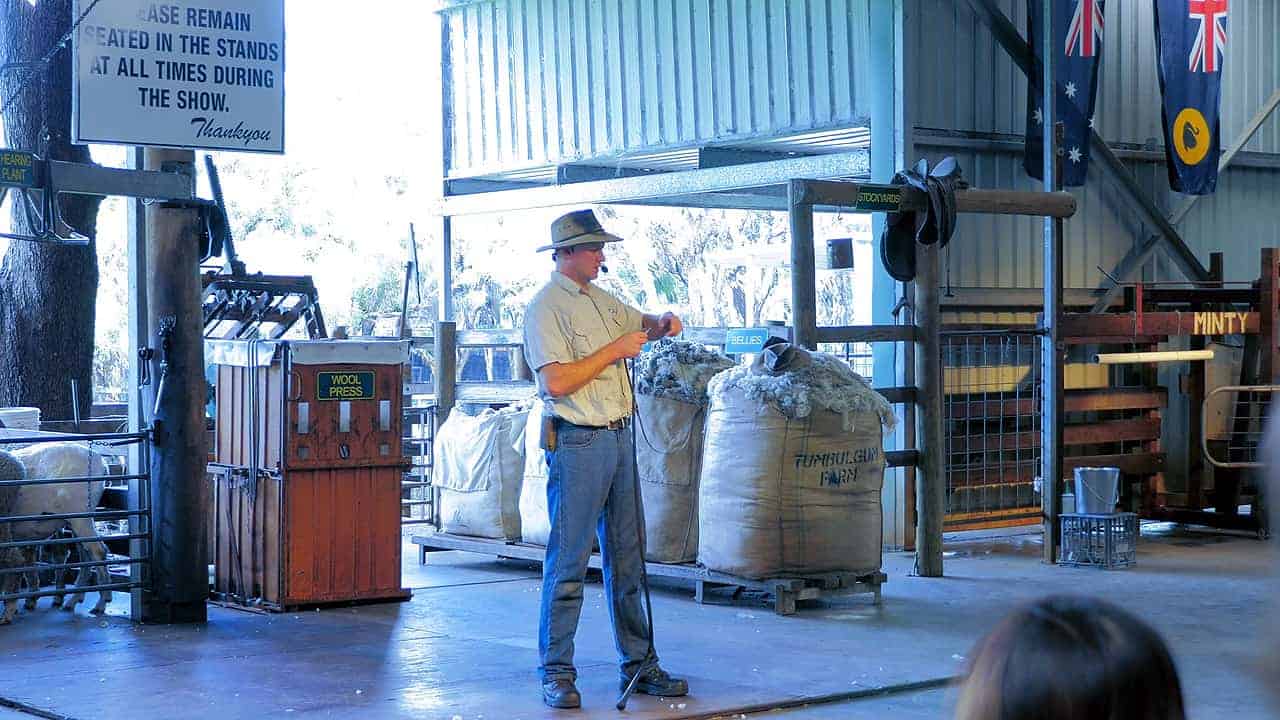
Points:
(1105, 541)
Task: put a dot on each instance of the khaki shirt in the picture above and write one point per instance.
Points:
(565, 323)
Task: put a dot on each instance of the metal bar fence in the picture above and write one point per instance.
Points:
(35, 559)
(991, 413)
(1238, 437)
(418, 503)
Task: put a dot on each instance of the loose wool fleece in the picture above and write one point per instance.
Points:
(678, 370)
(826, 382)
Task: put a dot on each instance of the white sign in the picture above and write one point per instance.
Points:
(205, 74)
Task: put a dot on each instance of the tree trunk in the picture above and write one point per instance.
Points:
(47, 292)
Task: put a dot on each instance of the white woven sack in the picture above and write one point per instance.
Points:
(479, 468)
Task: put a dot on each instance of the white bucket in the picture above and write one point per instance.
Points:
(20, 418)
(1097, 490)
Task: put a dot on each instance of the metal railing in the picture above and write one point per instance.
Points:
(32, 551)
(1241, 421)
(418, 502)
(991, 416)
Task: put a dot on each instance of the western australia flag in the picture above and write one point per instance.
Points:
(1077, 41)
(1192, 38)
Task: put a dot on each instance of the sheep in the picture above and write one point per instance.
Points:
(52, 461)
(11, 468)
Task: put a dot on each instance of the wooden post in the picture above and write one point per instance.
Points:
(931, 490)
(446, 378)
(910, 415)
(804, 281)
(1195, 390)
(179, 502)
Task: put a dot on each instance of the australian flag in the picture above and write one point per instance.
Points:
(1192, 38)
(1078, 42)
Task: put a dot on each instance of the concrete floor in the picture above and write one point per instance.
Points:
(465, 646)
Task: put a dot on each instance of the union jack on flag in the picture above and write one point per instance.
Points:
(1212, 36)
(1084, 36)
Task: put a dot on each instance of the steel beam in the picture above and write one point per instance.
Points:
(1018, 49)
(80, 179)
(1138, 256)
(139, 334)
(1052, 351)
(1009, 144)
(765, 198)
(571, 174)
(685, 183)
(1245, 136)
(713, 157)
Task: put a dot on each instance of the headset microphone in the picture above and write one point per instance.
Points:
(604, 268)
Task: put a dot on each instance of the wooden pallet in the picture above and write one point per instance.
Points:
(786, 591)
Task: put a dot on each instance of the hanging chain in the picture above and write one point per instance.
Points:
(41, 66)
(44, 116)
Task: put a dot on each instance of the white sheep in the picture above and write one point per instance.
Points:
(56, 460)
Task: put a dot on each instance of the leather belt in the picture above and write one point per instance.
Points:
(619, 424)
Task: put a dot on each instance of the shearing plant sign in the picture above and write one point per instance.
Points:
(201, 74)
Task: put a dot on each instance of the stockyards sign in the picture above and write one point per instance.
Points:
(206, 74)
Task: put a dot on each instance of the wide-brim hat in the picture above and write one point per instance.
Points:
(577, 228)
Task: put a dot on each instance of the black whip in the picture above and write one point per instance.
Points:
(640, 537)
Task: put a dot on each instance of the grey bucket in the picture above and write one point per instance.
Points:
(1097, 489)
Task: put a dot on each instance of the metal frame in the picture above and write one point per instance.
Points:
(786, 590)
(1204, 414)
(804, 196)
(56, 177)
(139, 542)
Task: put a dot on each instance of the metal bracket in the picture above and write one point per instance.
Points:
(1204, 423)
(55, 177)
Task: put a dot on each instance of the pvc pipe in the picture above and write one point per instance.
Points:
(1151, 357)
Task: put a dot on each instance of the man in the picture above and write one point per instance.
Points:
(577, 338)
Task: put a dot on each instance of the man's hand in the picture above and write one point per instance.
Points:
(669, 325)
(629, 345)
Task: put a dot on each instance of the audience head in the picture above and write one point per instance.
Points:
(1071, 658)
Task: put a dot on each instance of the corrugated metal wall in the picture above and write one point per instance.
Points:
(964, 81)
(546, 81)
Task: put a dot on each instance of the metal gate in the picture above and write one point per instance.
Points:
(98, 524)
(1241, 415)
(418, 496)
(991, 416)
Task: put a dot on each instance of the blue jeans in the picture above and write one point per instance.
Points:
(591, 485)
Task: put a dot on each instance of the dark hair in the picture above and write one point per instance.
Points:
(1064, 658)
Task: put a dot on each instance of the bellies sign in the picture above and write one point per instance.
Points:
(205, 74)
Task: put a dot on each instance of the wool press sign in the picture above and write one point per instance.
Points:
(344, 386)
(200, 74)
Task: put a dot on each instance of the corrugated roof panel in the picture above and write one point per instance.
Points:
(571, 80)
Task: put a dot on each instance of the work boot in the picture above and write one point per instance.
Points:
(655, 681)
(560, 693)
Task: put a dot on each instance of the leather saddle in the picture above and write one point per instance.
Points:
(933, 225)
